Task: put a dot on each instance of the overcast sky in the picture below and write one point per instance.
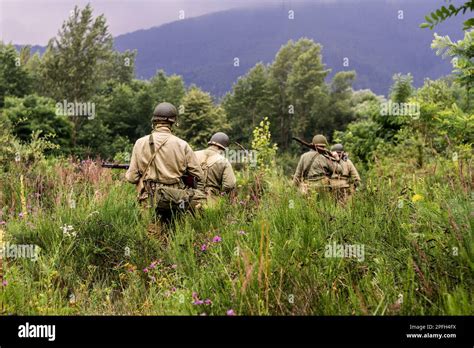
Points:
(36, 21)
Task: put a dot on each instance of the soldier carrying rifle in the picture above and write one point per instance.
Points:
(344, 184)
(218, 174)
(316, 166)
(158, 163)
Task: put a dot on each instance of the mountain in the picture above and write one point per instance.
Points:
(368, 32)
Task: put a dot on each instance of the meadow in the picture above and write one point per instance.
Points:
(263, 251)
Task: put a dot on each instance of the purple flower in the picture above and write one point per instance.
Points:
(207, 301)
(242, 203)
(20, 215)
(173, 289)
(2, 223)
(230, 312)
(242, 232)
(145, 270)
(4, 283)
(174, 266)
(195, 295)
(204, 247)
(153, 264)
(217, 239)
(198, 302)
(222, 193)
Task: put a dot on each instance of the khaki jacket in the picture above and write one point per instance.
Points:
(172, 160)
(313, 166)
(349, 173)
(218, 173)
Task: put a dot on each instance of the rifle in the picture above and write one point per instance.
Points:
(115, 165)
(321, 150)
(187, 179)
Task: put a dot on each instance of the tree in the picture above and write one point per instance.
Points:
(402, 88)
(334, 109)
(75, 59)
(120, 67)
(295, 76)
(249, 100)
(165, 88)
(306, 88)
(33, 113)
(200, 118)
(462, 52)
(14, 78)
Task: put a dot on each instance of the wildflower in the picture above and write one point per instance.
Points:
(2, 223)
(145, 270)
(4, 283)
(416, 198)
(153, 264)
(242, 232)
(195, 295)
(217, 239)
(174, 266)
(20, 215)
(207, 301)
(173, 289)
(198, 302)
(204, 247)
(230, 312)
(68, 231)
(130, 268)
(242, 203)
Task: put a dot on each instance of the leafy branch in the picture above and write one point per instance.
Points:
(443, 13)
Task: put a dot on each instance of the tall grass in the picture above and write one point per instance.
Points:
(259, 253)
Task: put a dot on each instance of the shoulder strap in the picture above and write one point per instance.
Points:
(305, 174)
(153, 151)
(213, 160)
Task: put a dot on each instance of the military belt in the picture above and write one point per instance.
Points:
(315, 178)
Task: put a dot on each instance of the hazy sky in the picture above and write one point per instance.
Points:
(36, 21)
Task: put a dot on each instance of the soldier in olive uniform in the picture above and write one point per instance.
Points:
(315, 168)
(344, 183)
(160, 159)
(218, 174)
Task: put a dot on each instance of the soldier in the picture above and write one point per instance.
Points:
(218, 175)
(344, 183)
(158, 163)
(316, 167)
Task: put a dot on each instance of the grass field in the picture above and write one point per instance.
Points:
(265, 252)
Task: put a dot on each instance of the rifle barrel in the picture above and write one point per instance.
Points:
(115, 166)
